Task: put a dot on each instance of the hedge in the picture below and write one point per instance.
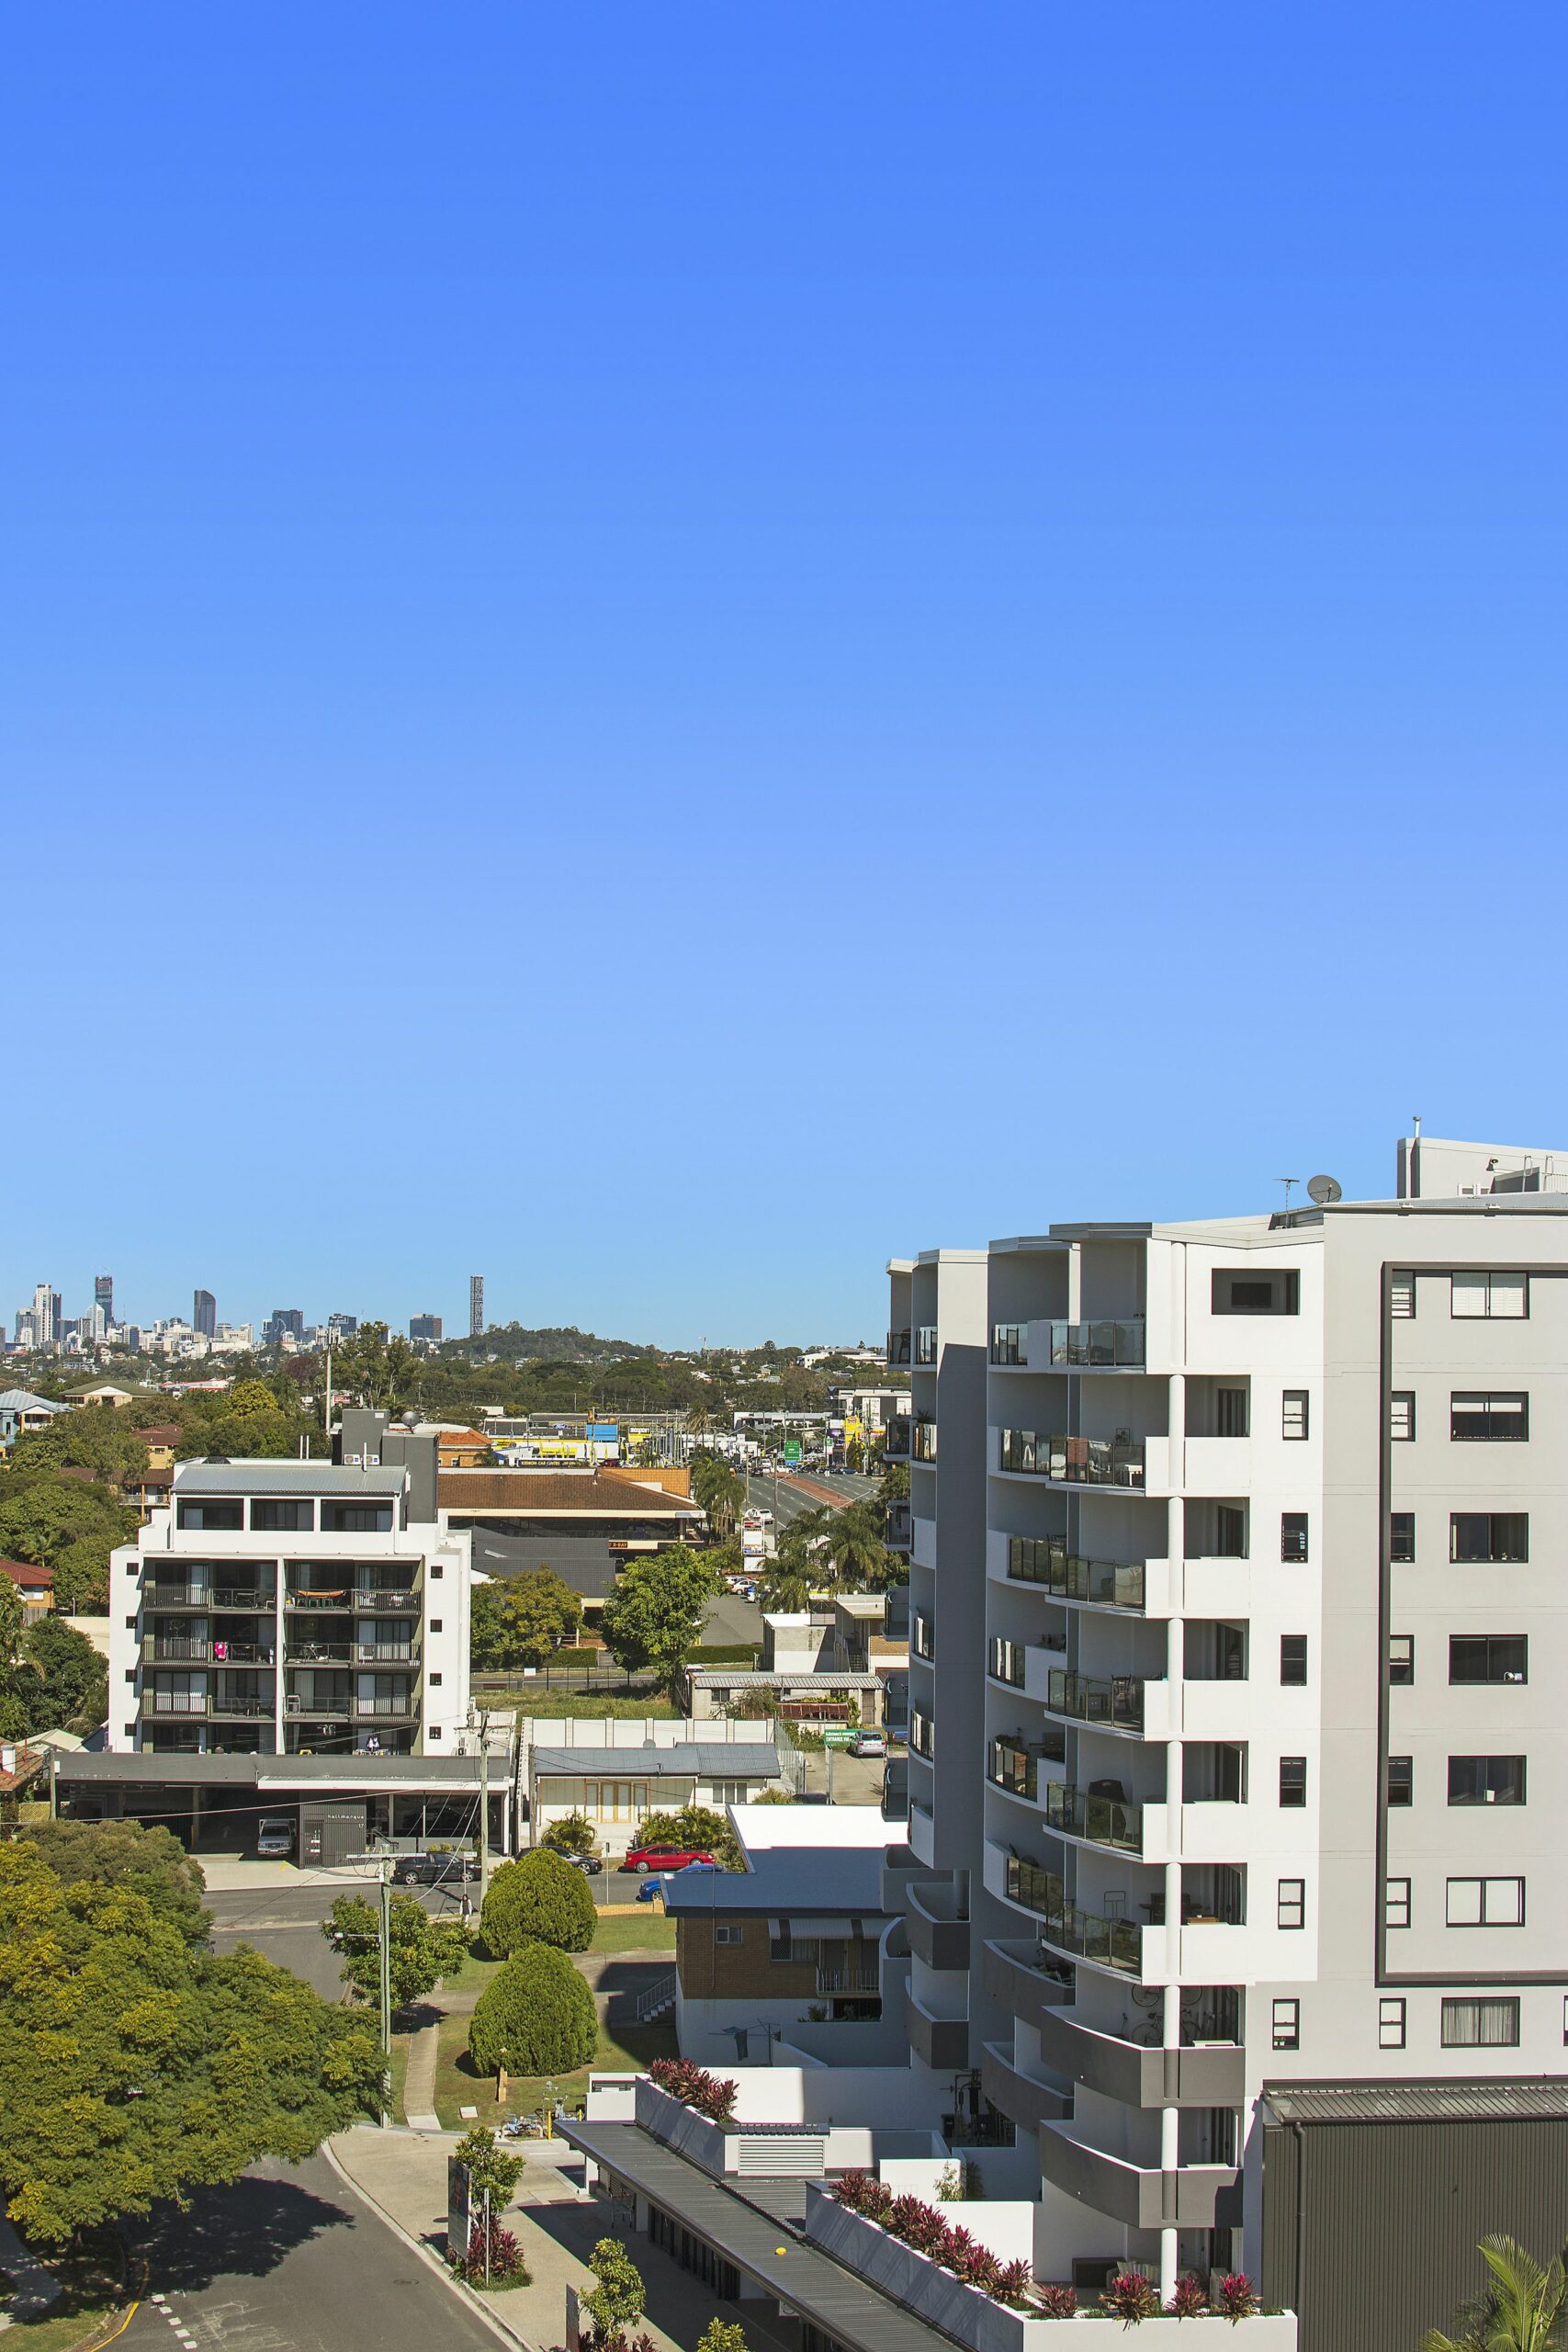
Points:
(539, 1900)
(536, 2017)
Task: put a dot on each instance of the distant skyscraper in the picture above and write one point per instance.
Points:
(475, 1305)
(47, 1315)
(103, 1295)
(342, 1326)
(281, 1319)
(204, 1313)
(425, 1327)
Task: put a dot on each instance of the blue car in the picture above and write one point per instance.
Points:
(648, 1889)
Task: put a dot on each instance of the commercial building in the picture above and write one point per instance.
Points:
(426, 1327)
(204, 1315)
(292, 1608)
(821, 1702)
(1233, 1773)
(103, 1296)
(585, 1524)
(283, 1322)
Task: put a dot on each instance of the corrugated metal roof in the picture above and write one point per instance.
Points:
(788, 1881)
(746, 2232)
(261, 1771)
(1399, 2102)
(343, 1479)
(719, 1677)
(708, 1759)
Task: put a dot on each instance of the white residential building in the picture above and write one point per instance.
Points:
(290, 1607)
(1236, 1642)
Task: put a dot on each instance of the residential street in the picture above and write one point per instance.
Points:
(283, 1922)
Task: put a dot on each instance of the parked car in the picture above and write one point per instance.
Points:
(649, 1889)
(588, 1864)
(277, 1836)
(432, 1870)
(867, 1742)
(661, 1858)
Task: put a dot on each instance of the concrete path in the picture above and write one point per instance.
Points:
(36, 2285)
(419, 2082)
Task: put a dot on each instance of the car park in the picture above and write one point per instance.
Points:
(277, 1835)
(867, 1742)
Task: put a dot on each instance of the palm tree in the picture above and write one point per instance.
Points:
(1521, 2308)
(860, 1557)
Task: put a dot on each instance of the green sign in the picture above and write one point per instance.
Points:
(792, 1448)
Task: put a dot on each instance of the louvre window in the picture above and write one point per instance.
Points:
(1498, 1296)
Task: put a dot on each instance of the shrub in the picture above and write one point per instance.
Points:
(982, 2269)
(1188, 2297)
(722, 2336)
(864, 2193)
(506, 2264)
(540, 1899)
(572, 1834)
(616, 2300)
(1018, 2290)
(958, 2244)
(536, 2017)
(490, 2167)
(1130, 2298)
(1237, 2297)
(709, 2095)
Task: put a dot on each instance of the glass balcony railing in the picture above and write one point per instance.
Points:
(244, 1596)
(1101, 1343)
(1114, 1943)
(923, 1636)
(925, 1343)
(1115, 1701)
(900, 1528)
(1076, 1461)
(1066, 1576)
(1015, 1765)
(1004, 1662)
(1008, 1344)
(923, 1441)
(895, 1445)
(1100, 1821)
(898, 1346)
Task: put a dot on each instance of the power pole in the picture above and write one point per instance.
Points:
(386, 1991)
(484, 1804)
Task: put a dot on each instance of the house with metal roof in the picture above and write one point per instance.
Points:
(21, 1411)
(619, 1771)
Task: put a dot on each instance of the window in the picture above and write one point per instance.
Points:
(1494, 1294)
(1480, 2025)
(1487, 1902)
(1487, 1779)
(1287, 2025)
(357, 1519)
(1495, 1416)
(435, 1625)
(1402, 1415)
(434, 1680)
(1402, 1292)
(730, 1792)
(1230, 1532)
(727, 1935)
(922, 1735)
(1293, 1780)
(1402, 1657)
(1273, 1293)
(1565, 2018)
(1232, 1416)
(1488, 1657)
(1400, 1780)
(1293, 1658)
(1402, 1535)
(1291, 1902)
(1391, 2025)
(1490, 1536)
(1294, 1413)
(1396, 1903)
(213, 1517)
(131, 1674)
(289, 1515)
(1294, 1535)
(437, 1570)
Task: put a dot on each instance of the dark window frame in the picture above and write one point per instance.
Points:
(1293, 1655)
(1402, 1538)
(1482, 1405)
(1292, 1783)
(1488, 1643)
(1295, 1529)
(1285, 2022)
(1300, 1399)
(1400, 1783)
(1225, 1281)
(1506, 1550)
(1456, 2004)
(1400, 1679)
(1286, 1902)
(1483, 1791)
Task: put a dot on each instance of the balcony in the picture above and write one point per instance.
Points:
(315, 1596)
(336, 1707)
(1074, 1461)
(306, 1649)
(925, 1344)
(923, 1441)
(1022, 2099)
(922, 1637)
(899, 1867)
(1141, 2198)
(246, 1600)
(1009, 1344)
(938, 1931)
(898, 1346)
(175, 1649)
(941, 2044)
(402, 1708)
(1094, 1820)
(1116, 1702)
(385, 1597)
(1046, 1563)
(899, 1527)
(175, 1596)
(1102, 1345)
(1007, 1662)
(174, 1703)
(1014, 1766)
(851, 1977)
(386, 1654)
(1107, 1943)
(1024, 1982)
(244, 1702)
(896, 1444)
(1140, 2073)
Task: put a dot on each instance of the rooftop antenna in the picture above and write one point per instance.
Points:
(1287, 1182)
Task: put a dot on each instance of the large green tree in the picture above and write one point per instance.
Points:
(541, 1899)
(249, 1421)
(73, 1678)
(521, 1621)
(421, 1950)
(70, 1526)
(96, 1438)
(654, 1617)
(534, 2016)
(134, 2066)
(858, 1552)
(378, 1365)
(150, 1862)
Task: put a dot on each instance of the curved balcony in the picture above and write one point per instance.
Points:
(898, 1346)
(896, 1444)
(1142, 2074)
(1111, 1822)
(941, 2044)
(1014, 1765)
(938, 1933)
(1023, 1982)
(1116, 1945)
(1105, 1343)
(1022, 2099)
(1074, 1461)
(1046, 1564)
(1135, 1706)
(1142, 2197)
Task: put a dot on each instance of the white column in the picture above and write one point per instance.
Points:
(1169, 2119)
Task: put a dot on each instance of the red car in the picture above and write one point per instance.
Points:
(643, 1859)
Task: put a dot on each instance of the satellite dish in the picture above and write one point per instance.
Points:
(1324, 1189)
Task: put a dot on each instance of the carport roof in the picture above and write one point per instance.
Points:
(369, 1773)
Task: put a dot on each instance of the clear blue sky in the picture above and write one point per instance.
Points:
(663, 649)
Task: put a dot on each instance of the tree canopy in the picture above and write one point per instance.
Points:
(150, 1862)
(520, 1620)
(534, 2016)
(135, 2066)
(51, 1678)
(69, 1525)
(419, 1949)
(654, 1617)
(538, 1899)
(695, 1828)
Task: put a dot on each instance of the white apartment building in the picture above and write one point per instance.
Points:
(291, 1609)
(1237, 1634)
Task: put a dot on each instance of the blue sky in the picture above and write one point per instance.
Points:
(662, 651)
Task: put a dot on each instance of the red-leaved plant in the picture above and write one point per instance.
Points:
(1237, 2297)
(1188, 2297)
(864, 2193)
(1057, 2303)
(983, 2270)
(505, 2256)
(1130, 2298)
(709, 2095)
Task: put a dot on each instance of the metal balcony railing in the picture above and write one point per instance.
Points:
(319, 1596)
(244, 1597)
(385, 1597)
(1066, 1575)
(1100, 1821)
(1115, 1700)
(848, 1980)
(240, 1702)
(1114, 1943)
(1075, 1461)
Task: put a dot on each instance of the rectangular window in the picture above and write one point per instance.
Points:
(271, 1515)
(1293, 1659)
(1230, 1532)
(1488, 1657)
(357, 1519)
(730, 1935)
(1391, 2025)
(1487, 1779)
(1494, 1295)
(1291, 1902)
(1396, 1903)
(1480, 2025)
(1287, 2025)
(1400, 1780)
(1402, 1657)
(1294, 1535)
(1402, 1535)
(1402, 1292)
(1293, 1781)
(1487, 1902)
(1489, 1416)
(1232, 1414)
(212, 1516)
(1294, 1413)
(1484, 1536)
(922, 1735)
(1255, 1293)
(1402, 1415)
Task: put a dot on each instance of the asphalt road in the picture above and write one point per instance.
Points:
(293, 2260)
(791, 1499)
(283, 1922)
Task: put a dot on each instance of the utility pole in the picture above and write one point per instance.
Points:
(384, 1872)
(484, 1804)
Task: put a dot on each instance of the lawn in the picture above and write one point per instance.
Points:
(457, 2087)
(89, 2298)
(634, 1927)
(587, 1702)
